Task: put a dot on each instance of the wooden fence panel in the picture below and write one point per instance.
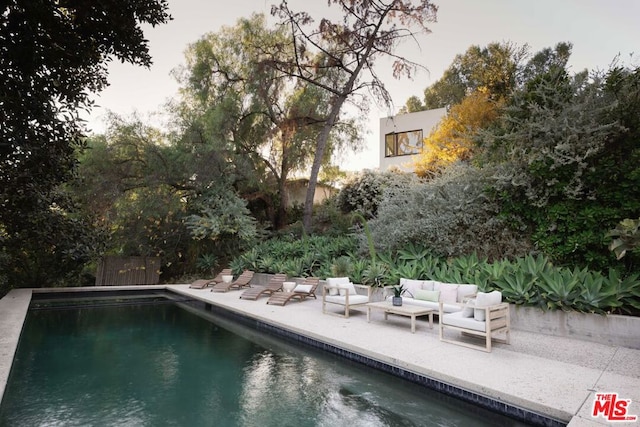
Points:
(122, 271)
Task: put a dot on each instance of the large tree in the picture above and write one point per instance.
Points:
(156, 196)
(53, 54)
(264, 123)
(340, 57)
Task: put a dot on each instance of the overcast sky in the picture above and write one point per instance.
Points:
(598, 30)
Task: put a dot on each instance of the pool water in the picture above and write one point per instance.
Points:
(170, 365)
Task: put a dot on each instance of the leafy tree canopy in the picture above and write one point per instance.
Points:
(339, 57)
(232, 99)
(52, 56)
(496, 69)
(452, 140)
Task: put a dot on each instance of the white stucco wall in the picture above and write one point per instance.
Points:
(425, 120)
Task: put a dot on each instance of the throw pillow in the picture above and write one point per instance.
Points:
(334, 284)
(425, 295)
(429, 285)
(448, 295)
(439, 286)
(302, 288)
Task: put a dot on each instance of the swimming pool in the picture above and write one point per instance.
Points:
(165, 363)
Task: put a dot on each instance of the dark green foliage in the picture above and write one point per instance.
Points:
(568, 152)
(364, 191)
(52, 56)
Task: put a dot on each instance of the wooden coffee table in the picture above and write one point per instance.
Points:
(408, 310)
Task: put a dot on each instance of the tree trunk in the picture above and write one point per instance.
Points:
(281, 220)
(317, 162)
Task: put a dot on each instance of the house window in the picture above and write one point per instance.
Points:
(403, 143)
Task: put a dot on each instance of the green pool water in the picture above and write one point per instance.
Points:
(170, 365)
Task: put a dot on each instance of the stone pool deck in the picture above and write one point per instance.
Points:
(555, 377)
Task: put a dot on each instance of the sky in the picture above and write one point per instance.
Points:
(599, 32)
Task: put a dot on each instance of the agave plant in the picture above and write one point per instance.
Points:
(413, 252)
(358, 267)
(407, 270)
(376, 274)
(559, 288)
(207, 263)
(596, 294)
(517, 287)
(295, 267)
(468, 266)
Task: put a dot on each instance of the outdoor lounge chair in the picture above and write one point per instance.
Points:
(340, 291)
(200, 283)
(301, 292)
(274, 285)
(484, 317)
(241, 282)
(219, 277)
(203, 283)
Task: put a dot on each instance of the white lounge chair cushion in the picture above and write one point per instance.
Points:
(353, 299)
(334, 282)
(303, 288)
(484, 299)
(456, 319)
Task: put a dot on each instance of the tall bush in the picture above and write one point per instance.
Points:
(452, 215)
(567, 155)
(364, 192)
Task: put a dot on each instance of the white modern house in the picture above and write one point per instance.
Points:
(401, 137)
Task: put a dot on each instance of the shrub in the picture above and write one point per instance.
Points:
(364, 192)
(452, 215)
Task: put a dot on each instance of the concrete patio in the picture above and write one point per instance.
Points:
(555, 377)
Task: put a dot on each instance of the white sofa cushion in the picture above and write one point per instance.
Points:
(457, 319)
(483, 300)
(448, 292)
(449, 295)
(411, 286)
(353, 299)
(429, 285)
